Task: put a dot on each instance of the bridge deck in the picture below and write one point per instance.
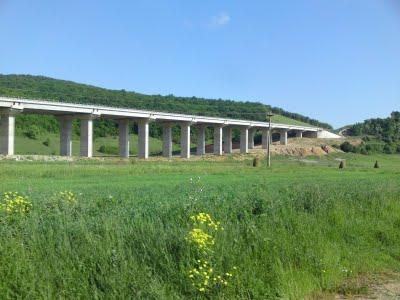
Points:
(61, 108)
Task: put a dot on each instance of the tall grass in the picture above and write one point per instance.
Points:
(287, 238)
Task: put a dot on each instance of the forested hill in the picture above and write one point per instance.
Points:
(39, 87)
(386, 131)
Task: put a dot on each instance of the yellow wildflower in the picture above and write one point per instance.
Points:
(13, 202)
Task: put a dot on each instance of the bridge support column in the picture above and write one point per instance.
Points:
(185, 140)
(86, 148)
(143, 138)
(123, 127)
(65, 135)
(218, 140)
(299, 134)
(201, 140)
(252, 133)
(244, 140)
(7, 131)
(167, 140)
(283, 136)
(227, 139)
(264, 138)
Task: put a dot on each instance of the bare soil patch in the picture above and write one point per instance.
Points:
(384, 286)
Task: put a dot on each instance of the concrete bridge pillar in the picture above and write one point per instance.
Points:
(283, 137)
(227, 131)
(252, 132)
(185, 140)
(167, 140)
(143, 138)
(299, 134)
(201, 140)
(65, 135)
(313, 134)
(264, 138)
(244, 140)
(86, 148)
(123, 127)
(7, 131)
(218, 140)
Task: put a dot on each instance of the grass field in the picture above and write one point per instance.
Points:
(301, 227)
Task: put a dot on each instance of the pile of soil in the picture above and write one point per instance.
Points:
(298, 150)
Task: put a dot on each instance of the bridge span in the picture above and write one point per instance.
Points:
(67, 112)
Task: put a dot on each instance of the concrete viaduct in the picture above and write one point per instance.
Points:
(66, 112)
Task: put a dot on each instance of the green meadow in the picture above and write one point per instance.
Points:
(300, 228)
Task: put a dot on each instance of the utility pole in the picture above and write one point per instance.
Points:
(269, 116)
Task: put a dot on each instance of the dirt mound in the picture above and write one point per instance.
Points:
(296, 147)
(302, 151)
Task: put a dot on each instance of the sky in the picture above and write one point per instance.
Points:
(336, 61)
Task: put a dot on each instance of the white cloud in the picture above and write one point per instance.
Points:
(221, 19)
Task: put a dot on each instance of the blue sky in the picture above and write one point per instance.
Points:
(337, 61)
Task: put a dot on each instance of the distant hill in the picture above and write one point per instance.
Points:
(381, 134)
(39, 87)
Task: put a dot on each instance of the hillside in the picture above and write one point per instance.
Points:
(34, 130)
(381, 134)
(39, 87)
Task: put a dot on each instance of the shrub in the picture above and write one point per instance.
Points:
(102, 149)
(363, 151)
(347, 147)
(256, 162)
(32, 132)
(46, 142)
(387, 149)
(366, 138)
(375, 147)
(108, 149)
